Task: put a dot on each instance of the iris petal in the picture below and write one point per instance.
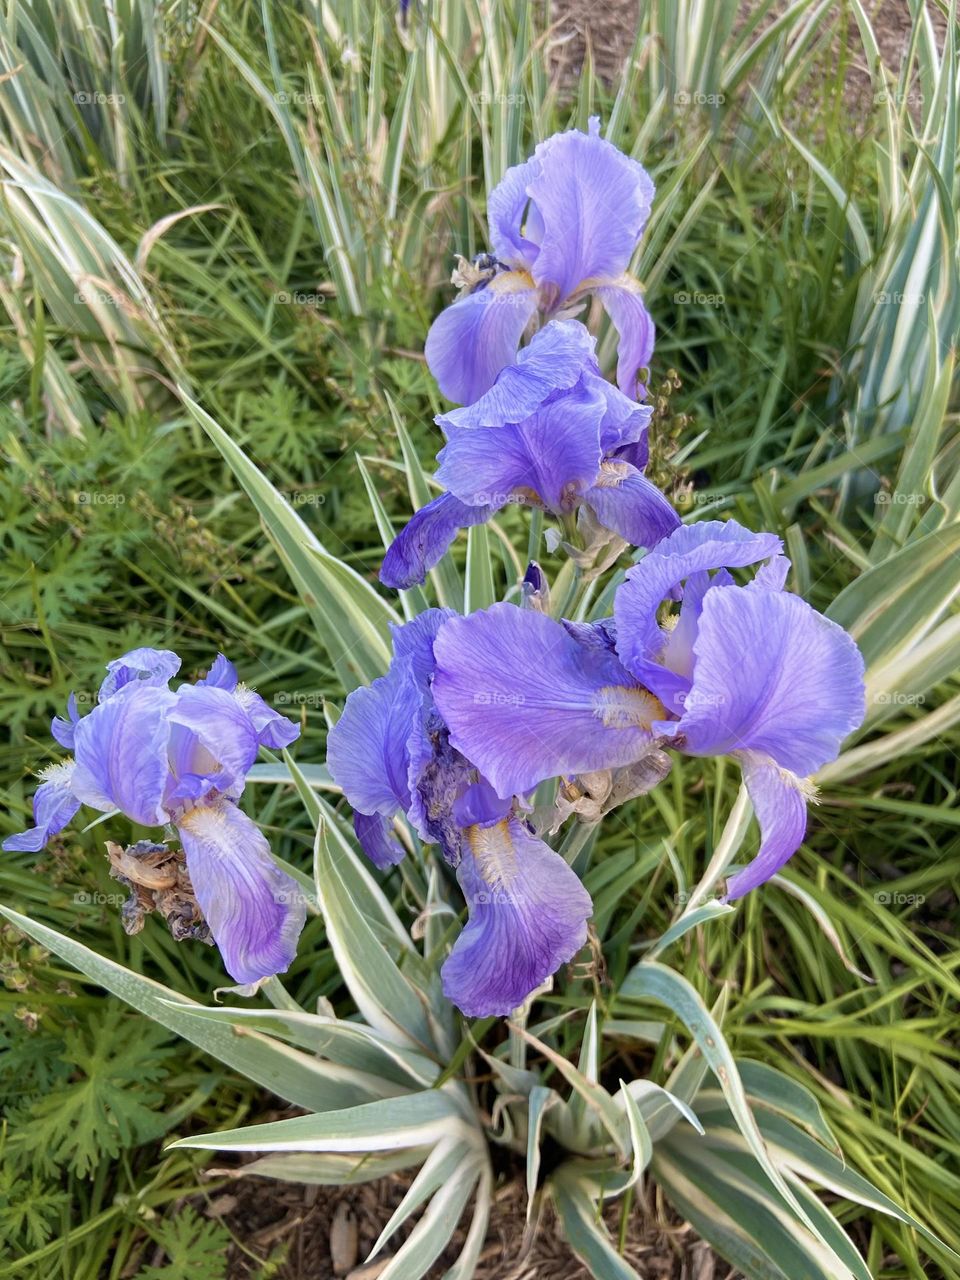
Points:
(377, 840)
(219, 743)
(54, 804)
(622, 300)
(222, 674)
(780, 802)
(254, 909)
(594, 202)
(555, 359)
(524, 701)
(472, 340)
(551, 457)
(423, 541)
(63, 730)
(708, 545)
(771, 675)
(146, 666)
(367, 747)
(528, 915)
(121, 752)
(506, 207)
(626, 502)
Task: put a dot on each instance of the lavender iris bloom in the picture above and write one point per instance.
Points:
(551, 433)
(390, 751)
(751, 672)
(159, 755)
(563, 225)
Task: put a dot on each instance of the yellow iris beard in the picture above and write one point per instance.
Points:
(620, 707)
(494, 854)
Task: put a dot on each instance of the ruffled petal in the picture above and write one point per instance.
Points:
(272, 729)
(625, 425)
(413, 640)
(623, 302)
(554, 360)
(550, 459)
(255, 911)
(626, 502)
(506, 216)
(121, 753)
(423, 541)
(367, 747)
(594, 202)
(377, 840)
(771, 675)
(528, 916)
(689, 549)
(222, 674)
(213, 743)
(524, 701)
(477, 336)
(63, 730)
(147, 666)
(54, 804)
(779, 800)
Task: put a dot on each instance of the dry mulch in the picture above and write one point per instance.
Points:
(326, 1233)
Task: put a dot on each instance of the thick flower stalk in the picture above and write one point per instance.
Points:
(181, 757)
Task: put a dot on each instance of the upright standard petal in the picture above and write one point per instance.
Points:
(507, 210)
(54, 804)
(555, 360)
(63, 730)
(121, 752)
(146, 666)
(413, 640)
(594, 202)
(425, 539)
(222, 674)
(219, 744)
(255, 911)
(628, 503)
(524, 701)
(773, 676)
(472, 340)
(689, 549)
(527, 916)
(367, 747)
(622, 300)
(779, 800)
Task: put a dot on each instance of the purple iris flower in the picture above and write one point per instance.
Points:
(158, 756)
(752, 672)
(563, 225)
(551, 433)
(390, 751)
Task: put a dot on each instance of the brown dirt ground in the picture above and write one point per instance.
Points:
(321, 1233)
